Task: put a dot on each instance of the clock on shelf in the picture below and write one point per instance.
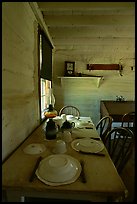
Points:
(69, 68)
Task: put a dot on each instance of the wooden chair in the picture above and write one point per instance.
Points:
(70, 110)
(104, 126)
(128, 121)
(119, 143)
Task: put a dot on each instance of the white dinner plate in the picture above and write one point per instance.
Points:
(87, 145)
(83, 124)
(34, 148)
(58, 170)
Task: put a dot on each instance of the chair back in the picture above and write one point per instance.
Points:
(128, 121)
(119, 143)
(70, 110)
(104, 126)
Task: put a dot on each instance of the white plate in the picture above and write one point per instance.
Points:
(59, 172)
(83, 124)
(87, 145)
(34, 148)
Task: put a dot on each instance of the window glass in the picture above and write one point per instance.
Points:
(45, 85)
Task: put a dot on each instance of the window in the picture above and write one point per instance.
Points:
(45, 76)
(45, 87)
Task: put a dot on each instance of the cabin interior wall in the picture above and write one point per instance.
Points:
(83, 92)
(20, 103)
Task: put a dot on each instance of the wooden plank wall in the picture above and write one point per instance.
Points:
(20, 113)
(83, 92)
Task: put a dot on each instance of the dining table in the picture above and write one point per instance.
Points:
(103, 183)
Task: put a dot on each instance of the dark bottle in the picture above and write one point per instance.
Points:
(51, 130)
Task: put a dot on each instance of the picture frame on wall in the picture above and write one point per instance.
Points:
(69, 68)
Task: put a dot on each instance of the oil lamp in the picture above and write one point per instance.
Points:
(50, 112)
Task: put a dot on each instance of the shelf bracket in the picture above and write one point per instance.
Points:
(99, 81)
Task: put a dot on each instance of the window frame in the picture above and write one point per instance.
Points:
(48, 83)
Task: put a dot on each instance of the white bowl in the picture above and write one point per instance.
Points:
(66, 136)
(60, 147)
(58, 168)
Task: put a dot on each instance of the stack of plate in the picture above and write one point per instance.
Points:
(58, 169)
(83, 124)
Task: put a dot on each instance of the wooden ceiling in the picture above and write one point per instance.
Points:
(74, 24)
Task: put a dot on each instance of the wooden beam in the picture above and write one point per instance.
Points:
(44, 6)
(81, 11)
(94, 41)
(89, 20)
(40, 19)
(93, 31)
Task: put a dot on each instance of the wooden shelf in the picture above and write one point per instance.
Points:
(98, 78)
(103, 67)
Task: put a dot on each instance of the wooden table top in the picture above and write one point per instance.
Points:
(102, 177)
(116, 109)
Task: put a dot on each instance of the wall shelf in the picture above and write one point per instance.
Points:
(98, 78)
(103, 67)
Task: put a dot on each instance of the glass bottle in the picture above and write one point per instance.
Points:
(50, 112)
(51, 129)
(50, 97)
